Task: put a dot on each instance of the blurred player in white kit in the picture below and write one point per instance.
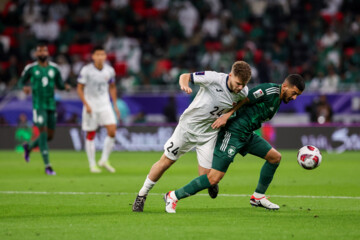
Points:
(95, 82)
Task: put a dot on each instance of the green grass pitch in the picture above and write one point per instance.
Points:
(319, 204)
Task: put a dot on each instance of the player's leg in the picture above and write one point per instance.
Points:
(51, 123)
(29, 146)
(224, 153)
(89, 125)
(261, 148)
(108, 120)
(176, 146)
(204, 151)
(196, 185)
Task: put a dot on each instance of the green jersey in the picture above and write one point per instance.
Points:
(264, 103)
(42, 81)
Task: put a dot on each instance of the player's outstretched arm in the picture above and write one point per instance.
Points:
(221, 121)
(80, 91)
(184, 82)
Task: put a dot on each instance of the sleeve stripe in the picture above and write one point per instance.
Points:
(192, 78)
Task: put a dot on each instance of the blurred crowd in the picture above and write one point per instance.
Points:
(151, 42)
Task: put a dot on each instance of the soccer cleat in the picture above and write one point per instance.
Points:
(107, 166)
(170, 204)
(139, 203)
(26, 152)
(263, 202)
(95, 169)
(49, 171)
(213, 191)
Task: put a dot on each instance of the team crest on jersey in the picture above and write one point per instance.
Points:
(51, 73)
(200, 73)
(231, 151)
(258, 93)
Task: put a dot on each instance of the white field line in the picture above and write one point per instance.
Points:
(160, 194)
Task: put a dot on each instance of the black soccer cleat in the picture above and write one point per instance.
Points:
(139, 203)
(213, 191)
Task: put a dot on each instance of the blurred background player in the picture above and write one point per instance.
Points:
(238, 136)
(219, 92)
(44, 76)
(95, 82)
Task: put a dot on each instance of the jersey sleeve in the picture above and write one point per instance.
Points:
(25, 76)
(257, 94)
(203, 78)
(82, 76)
(112, 75)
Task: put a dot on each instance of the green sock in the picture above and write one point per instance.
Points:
(34, 144)
(44, 147)
(193, 187)
(266, 175)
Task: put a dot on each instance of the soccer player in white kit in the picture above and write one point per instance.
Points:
(219, 92)
(95, 82)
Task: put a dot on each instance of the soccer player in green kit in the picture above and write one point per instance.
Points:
(237, 136)
(44, 76)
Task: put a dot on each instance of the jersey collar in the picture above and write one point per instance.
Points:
(227, 79)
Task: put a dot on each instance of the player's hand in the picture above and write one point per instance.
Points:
(186, 89)
(27, 90)
(220, 122)
(67, 87)
(88, 109)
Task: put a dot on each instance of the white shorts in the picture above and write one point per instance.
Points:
(90, 122)
(182, 142)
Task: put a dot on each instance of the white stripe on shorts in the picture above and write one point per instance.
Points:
(225, 141)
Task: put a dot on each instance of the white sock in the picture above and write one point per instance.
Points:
(108, 146)
(90, 151)
(173, 196)
(258, 195)
(148, 185)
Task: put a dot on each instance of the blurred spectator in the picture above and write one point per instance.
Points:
(23, 121)
(320, 110)
(64, 67)
(188, 18)
(58, 10)
(170, 111)
(211, 27)
(329, 38)
(124, 111)
(31, 12)
(330, 82)
(46, 29)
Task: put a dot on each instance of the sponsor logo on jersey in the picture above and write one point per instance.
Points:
(231, 151)
(258, 93)
(200, 73)
(51, 73)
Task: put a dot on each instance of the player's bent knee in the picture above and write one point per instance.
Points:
(275, 159)
(214, 177)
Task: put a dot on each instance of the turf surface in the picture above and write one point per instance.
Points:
(319, 204)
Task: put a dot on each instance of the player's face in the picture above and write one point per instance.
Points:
(236, 84)
(99, 57)
(42, 53)
(291, 93)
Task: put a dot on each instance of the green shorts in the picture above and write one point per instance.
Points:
(44, 118)
(229, 144)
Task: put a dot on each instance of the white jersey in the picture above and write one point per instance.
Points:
(213, 99)
(96, 90)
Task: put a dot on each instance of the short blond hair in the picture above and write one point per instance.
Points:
(241, 70)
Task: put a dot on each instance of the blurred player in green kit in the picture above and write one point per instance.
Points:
(40, 78)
